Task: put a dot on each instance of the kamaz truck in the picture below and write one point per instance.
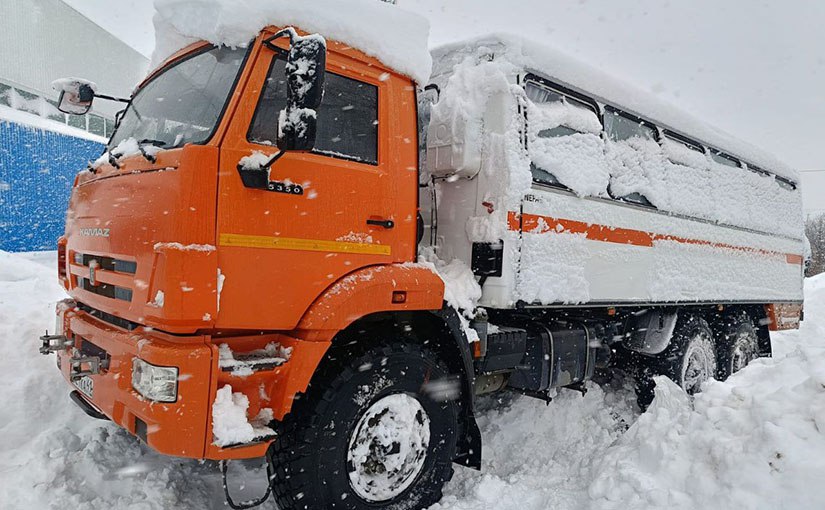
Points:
(293, 250)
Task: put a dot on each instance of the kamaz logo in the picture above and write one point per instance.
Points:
(94, 232)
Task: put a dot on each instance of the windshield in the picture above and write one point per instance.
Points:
(182, 104)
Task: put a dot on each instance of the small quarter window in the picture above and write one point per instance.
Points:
(690, 144)
(724, 159)
(755, 169)
(620, 127)
(539, 94)
(542, 176)
(785, 183)
(556, 131)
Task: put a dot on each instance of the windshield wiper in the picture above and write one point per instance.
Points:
(148, 141)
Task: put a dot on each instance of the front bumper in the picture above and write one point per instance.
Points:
(93, 349)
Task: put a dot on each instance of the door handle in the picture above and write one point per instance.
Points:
(381, 223)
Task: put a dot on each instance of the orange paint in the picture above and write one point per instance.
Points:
(783, 316)
(538, 224)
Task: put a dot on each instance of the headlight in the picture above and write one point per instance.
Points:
(155, 383)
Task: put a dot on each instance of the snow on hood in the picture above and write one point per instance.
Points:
(566, 70)
(396, 37)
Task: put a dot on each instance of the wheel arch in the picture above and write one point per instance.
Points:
(354, 312)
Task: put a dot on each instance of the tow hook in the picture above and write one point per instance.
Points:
(54, 343)
(94, 363)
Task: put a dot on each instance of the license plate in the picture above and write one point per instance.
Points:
(86, 386)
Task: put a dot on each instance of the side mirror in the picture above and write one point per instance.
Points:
(305, 73)
(76, 95)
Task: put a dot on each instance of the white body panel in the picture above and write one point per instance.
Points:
(719, 235)
(689, 260)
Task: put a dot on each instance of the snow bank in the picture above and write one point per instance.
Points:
(756, 441)
(603, 87)
(396, 37)
(573, 453)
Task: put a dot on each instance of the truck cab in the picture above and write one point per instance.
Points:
(168, 239)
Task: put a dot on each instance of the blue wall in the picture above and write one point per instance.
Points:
(37, 169)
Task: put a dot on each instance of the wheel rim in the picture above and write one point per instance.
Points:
(700, 364)
(388, 447)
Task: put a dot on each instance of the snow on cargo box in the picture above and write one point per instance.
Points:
(598, 193)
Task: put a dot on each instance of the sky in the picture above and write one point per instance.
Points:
(754, 68)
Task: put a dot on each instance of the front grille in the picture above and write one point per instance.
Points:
(88, 348)
(108, 318)
(106, 263)
(106, 290)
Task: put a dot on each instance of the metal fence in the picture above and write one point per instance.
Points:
(37, 168)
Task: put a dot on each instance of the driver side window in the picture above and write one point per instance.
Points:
(347, 117)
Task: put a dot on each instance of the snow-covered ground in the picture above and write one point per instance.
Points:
(755, 441)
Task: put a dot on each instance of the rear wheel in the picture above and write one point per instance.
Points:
(379, 435)
(688, 361)
(738, 346)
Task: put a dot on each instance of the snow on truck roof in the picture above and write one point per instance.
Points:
(574, 74)
(396, 37)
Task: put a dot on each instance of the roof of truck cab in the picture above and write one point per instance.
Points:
(572, 73)
(396, 37)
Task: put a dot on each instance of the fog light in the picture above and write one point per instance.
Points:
(155, 383)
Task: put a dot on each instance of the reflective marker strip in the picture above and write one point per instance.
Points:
(297, 244)
(537, 224)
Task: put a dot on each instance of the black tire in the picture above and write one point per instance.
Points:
(738, 345)
(691, 350)
(310, 457)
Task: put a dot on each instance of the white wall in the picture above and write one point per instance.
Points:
(41, 40)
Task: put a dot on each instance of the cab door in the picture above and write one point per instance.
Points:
(326, 211)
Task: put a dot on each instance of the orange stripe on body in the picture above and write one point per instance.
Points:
(538, 224)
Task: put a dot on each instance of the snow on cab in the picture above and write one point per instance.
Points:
(300, 247)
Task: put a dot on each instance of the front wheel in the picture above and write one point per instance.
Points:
(379, 433)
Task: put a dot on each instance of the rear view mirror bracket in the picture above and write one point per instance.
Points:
(257, 177)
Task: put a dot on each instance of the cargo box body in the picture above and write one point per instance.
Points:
(595, 204)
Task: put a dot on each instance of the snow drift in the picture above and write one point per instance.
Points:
(756, 441)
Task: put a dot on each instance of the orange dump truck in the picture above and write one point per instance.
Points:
(231, 300)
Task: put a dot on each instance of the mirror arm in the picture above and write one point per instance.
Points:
(289, 31)
(433, 86)
(112, 98)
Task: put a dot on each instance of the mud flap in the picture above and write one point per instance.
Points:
(468, 451)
